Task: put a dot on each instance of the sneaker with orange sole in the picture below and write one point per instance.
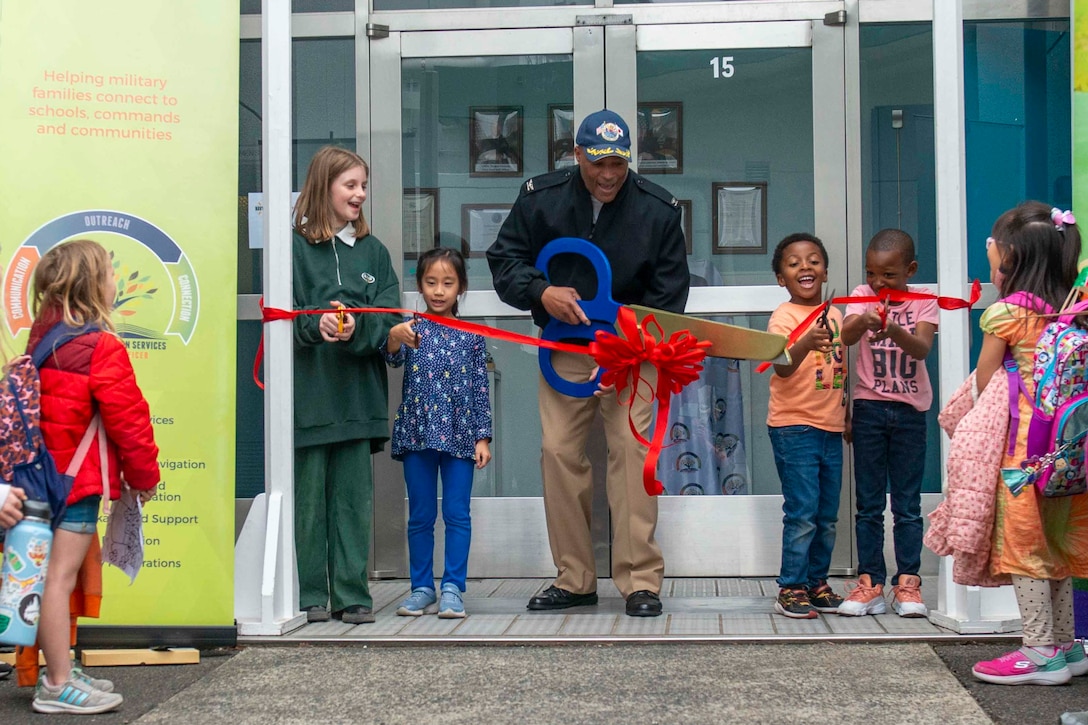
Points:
(867, 598)
(907, 597)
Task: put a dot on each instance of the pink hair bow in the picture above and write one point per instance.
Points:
(1061, 218)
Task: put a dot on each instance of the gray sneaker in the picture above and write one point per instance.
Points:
(73, 696)
(421, 601)
(79, 674)
(355, 614)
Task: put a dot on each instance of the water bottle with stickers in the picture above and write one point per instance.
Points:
(26, 559)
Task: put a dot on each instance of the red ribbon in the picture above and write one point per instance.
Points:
(678, 362)
(883, 297)
(270, 314)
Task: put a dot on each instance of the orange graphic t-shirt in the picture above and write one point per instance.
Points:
(815, 393)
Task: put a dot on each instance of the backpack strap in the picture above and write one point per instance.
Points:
(58, 335)
(84, 446)
(1070, 313)
(1016, 389)
(1028, 300)
(94, 428)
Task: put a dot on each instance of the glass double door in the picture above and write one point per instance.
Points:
(742, 122)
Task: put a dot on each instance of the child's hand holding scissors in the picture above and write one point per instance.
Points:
(876, 321)
(403, 334)
(337, 326)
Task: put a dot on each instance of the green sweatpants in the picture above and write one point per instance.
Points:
(334, 492)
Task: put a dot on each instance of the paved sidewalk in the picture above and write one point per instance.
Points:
(818, 682)
(664, 683)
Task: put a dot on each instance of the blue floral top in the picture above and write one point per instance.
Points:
(444, 402)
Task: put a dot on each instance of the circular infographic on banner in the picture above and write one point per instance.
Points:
(157, 297)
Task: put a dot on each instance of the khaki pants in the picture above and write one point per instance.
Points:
(568, 485)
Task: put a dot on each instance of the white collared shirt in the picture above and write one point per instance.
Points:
(347, 235)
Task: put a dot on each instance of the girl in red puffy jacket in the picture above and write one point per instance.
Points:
(74, 286)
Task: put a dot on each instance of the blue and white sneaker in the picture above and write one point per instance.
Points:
(420, 601)
(1075, 658)
(73, 696)
(451, 606)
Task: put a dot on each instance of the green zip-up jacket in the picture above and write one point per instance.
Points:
(341, 388)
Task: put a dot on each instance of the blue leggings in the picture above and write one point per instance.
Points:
(421, 470)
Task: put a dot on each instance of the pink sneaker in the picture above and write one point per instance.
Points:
(1025, 666)
(907, 597)
(866, 598)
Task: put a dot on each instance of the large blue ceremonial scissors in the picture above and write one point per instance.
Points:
(601, 311)
(726, 341)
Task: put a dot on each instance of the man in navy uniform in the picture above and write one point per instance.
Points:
(637, 225)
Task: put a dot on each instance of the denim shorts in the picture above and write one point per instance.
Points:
(82, 516)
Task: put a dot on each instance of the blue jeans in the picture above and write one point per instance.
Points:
(889, 450)
(82, 516)
(809, 462)
(421, 470)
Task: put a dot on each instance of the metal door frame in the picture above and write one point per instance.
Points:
(513, 537)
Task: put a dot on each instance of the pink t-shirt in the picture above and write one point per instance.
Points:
(883, 371)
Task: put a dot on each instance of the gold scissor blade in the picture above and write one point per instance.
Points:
(725, 340)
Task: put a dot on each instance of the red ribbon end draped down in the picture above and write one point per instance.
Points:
(678, 362)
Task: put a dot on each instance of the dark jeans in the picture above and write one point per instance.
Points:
(809, 462)
(889, 450)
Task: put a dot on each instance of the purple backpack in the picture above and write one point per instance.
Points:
(1055, 460)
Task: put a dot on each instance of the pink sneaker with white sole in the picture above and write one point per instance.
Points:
(1025, 666)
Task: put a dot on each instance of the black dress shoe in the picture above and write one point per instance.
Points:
(555, 598)
(355, 614)
(643, 604)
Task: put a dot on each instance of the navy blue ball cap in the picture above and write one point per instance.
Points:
(603, 134)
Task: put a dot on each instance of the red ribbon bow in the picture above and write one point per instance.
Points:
(678, 362)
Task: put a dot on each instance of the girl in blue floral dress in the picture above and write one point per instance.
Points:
(443, 425)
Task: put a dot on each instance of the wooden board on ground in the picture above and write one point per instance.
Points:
(119, 657)
(8, 658)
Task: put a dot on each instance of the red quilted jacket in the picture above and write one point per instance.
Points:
(90, 373)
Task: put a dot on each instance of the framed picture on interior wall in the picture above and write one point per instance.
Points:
(419, 229)
(560, 137)
(495, 141)
(660, 138)
(685, 221)
(739, 220)
(480, 225)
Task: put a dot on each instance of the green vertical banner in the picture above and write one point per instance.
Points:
(119, 123)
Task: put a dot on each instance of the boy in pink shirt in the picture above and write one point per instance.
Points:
(892, 394)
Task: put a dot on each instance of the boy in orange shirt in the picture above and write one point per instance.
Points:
(806, 419)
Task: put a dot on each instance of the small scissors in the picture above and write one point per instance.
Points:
(822, 320)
